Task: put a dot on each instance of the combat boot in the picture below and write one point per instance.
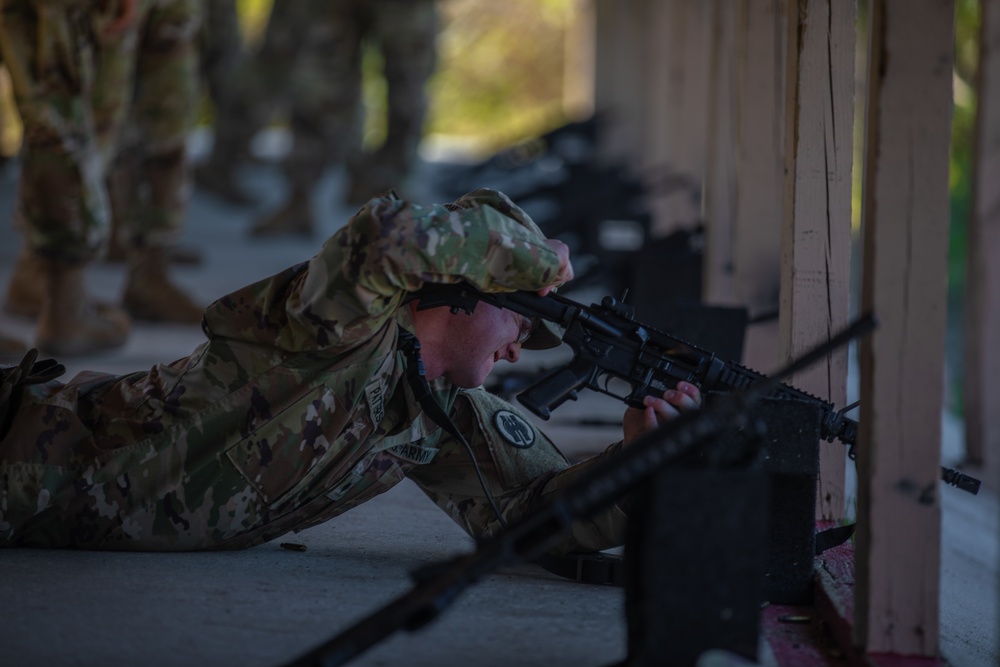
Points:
(69, 323)
(294, 217)
(25, 291)
(149, 293)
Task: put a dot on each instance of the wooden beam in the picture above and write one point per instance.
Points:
(620, 76)
(720, 165)
(816, 234)
(760, 165)
(677, 97)
(905, 227)
(981, 368)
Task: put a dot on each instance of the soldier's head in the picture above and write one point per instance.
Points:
(463, 348)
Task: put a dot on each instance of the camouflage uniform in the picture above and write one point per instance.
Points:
(296, 409)
(309, 67)
(75, 87)
(220, 46)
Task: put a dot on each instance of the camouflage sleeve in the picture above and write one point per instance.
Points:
(522, 469)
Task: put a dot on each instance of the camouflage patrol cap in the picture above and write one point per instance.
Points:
(545, 335)
(497, 200)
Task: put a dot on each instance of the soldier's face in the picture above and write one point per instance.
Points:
(482, 339)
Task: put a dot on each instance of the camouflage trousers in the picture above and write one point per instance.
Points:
(309, 69)
(83, 93)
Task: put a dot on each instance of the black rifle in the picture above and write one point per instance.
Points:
(610, 345)
(437, 586)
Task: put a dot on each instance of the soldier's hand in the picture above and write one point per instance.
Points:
(659, 411)
(565, 266)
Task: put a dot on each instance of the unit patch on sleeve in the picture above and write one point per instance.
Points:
(514, 428)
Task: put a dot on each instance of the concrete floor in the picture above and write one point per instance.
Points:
(267, 605)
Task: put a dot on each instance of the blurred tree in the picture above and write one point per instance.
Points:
(501, 70)
(963, 125)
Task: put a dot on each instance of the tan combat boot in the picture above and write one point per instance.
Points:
(294, 217)
(26, 288)
(149, 294)
(69, 323)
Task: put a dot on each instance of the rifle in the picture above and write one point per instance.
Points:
(610, 345)
(437, 586)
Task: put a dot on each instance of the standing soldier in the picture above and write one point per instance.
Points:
(310, 63)
(74, 66)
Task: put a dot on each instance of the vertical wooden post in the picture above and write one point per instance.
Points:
(816, 234)
(620, 76)
(578, 73)
(760, 166)
(905, 221)
(678, 36)
(720, 161)
(981, 374)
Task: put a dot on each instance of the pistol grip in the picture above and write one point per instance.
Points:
(552, 391)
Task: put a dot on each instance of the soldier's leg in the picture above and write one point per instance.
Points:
(256, 91)
(405, 31)
(61, 205)
(166, 98)
(324, 114)
(220, 44)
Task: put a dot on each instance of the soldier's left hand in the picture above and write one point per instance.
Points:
(659, 411)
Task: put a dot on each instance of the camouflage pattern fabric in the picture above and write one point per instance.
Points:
(220, 46)
(309, 68)
(75, 88)
(294, 410)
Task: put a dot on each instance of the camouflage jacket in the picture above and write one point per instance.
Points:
(294, 410)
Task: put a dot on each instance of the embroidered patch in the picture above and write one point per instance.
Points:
(514, 428)
(414, 453)
(376, 401)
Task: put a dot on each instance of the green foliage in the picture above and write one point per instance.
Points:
(253, 18)
(962, 138)
(967, 27)
(500, 74)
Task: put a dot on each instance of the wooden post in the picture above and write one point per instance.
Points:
(759, 176)
(816, 235)
(578, 76)
(905, 222)
(619, 78)
(720, 166)
(981, 374)
(677, 95)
